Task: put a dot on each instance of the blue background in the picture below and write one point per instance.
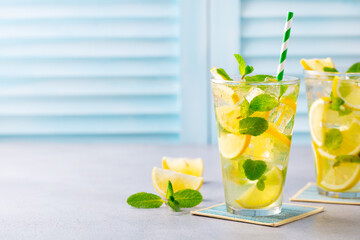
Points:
(138, 71)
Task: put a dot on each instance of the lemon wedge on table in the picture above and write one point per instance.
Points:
(349, 91)
(231, 146)
(191, 166)
(254, 198)
(317, 64)
(161, 177)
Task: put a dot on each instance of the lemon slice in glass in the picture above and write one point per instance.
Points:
(161, 177)
(349, 91)
(254, 198)
(231, 145)
(316, 118)
(191, 166)
(317, 64)
(342, 177)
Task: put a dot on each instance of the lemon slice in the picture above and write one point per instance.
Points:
(254, 198)
(349, 91)
(278, 135)
(231, 146)
(161, 177)
(342, 177)
(317, 64)
(350, 144)
(316, 118)
(229, 117)
(289, 102)
(223, 91)
(191, 166)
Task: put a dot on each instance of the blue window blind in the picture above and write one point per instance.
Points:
(102, 69)
(320, 29)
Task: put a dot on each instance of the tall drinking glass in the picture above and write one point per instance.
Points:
(255, 125)
(334, 116)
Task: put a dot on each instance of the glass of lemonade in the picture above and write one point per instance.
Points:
(334, 117)
(255, 122)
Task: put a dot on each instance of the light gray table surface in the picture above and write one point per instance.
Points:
(79, 191)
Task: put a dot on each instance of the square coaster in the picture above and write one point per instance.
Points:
(309, 193)
(289, 213)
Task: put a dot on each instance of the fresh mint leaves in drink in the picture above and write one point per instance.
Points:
(333, 139)
(186, 198)
(223, 74)
(260, 184)
(263, 102)
(346, 158)
(254, 169)
(145, 200)
(336, 104)
(253, 126)
(329, 69)
(355, 68)
(243, 68)
(258, 78)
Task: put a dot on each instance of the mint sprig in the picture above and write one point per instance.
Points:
(263, 103)
(355, 68)
(186, 198)
(243, 68)
(329, 69)
(145, 200)
(346, 158)
(258, 78)
(253, 126)
(333, 139)
(336, 104)
(254, 169)
(223, 74)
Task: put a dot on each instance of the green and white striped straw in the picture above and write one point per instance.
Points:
(284, 46)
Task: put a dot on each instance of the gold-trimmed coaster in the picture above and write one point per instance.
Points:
(289, 213)
(309, 193)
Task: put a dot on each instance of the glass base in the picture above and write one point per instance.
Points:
(254, 212)
(339, 194)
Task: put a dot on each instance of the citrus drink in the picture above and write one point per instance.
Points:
(255, 118)
(334, 115)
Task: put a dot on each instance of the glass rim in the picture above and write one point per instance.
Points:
(329, 74)
(287, 80)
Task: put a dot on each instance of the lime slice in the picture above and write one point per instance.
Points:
(254, 198)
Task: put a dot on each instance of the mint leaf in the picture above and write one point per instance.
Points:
(144, 200)
(258, 78)
(283, 89)
(253, 126)
(333, 139)
(263, 102)
(248, 70)
(169, 191)
(329, 69)
(244, 107)
(188, 198)
(355, 68)
(336, 104)
(346, 158)
(254, 169)
(241, 63)
(344, 111)
(223, 74)
(173, 204)
(261, 183)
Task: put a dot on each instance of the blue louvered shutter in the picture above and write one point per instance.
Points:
(100, 69)
(320, 29)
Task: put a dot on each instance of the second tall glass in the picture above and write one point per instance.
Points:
(255, 125)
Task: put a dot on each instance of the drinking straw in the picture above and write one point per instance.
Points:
(284, 46)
